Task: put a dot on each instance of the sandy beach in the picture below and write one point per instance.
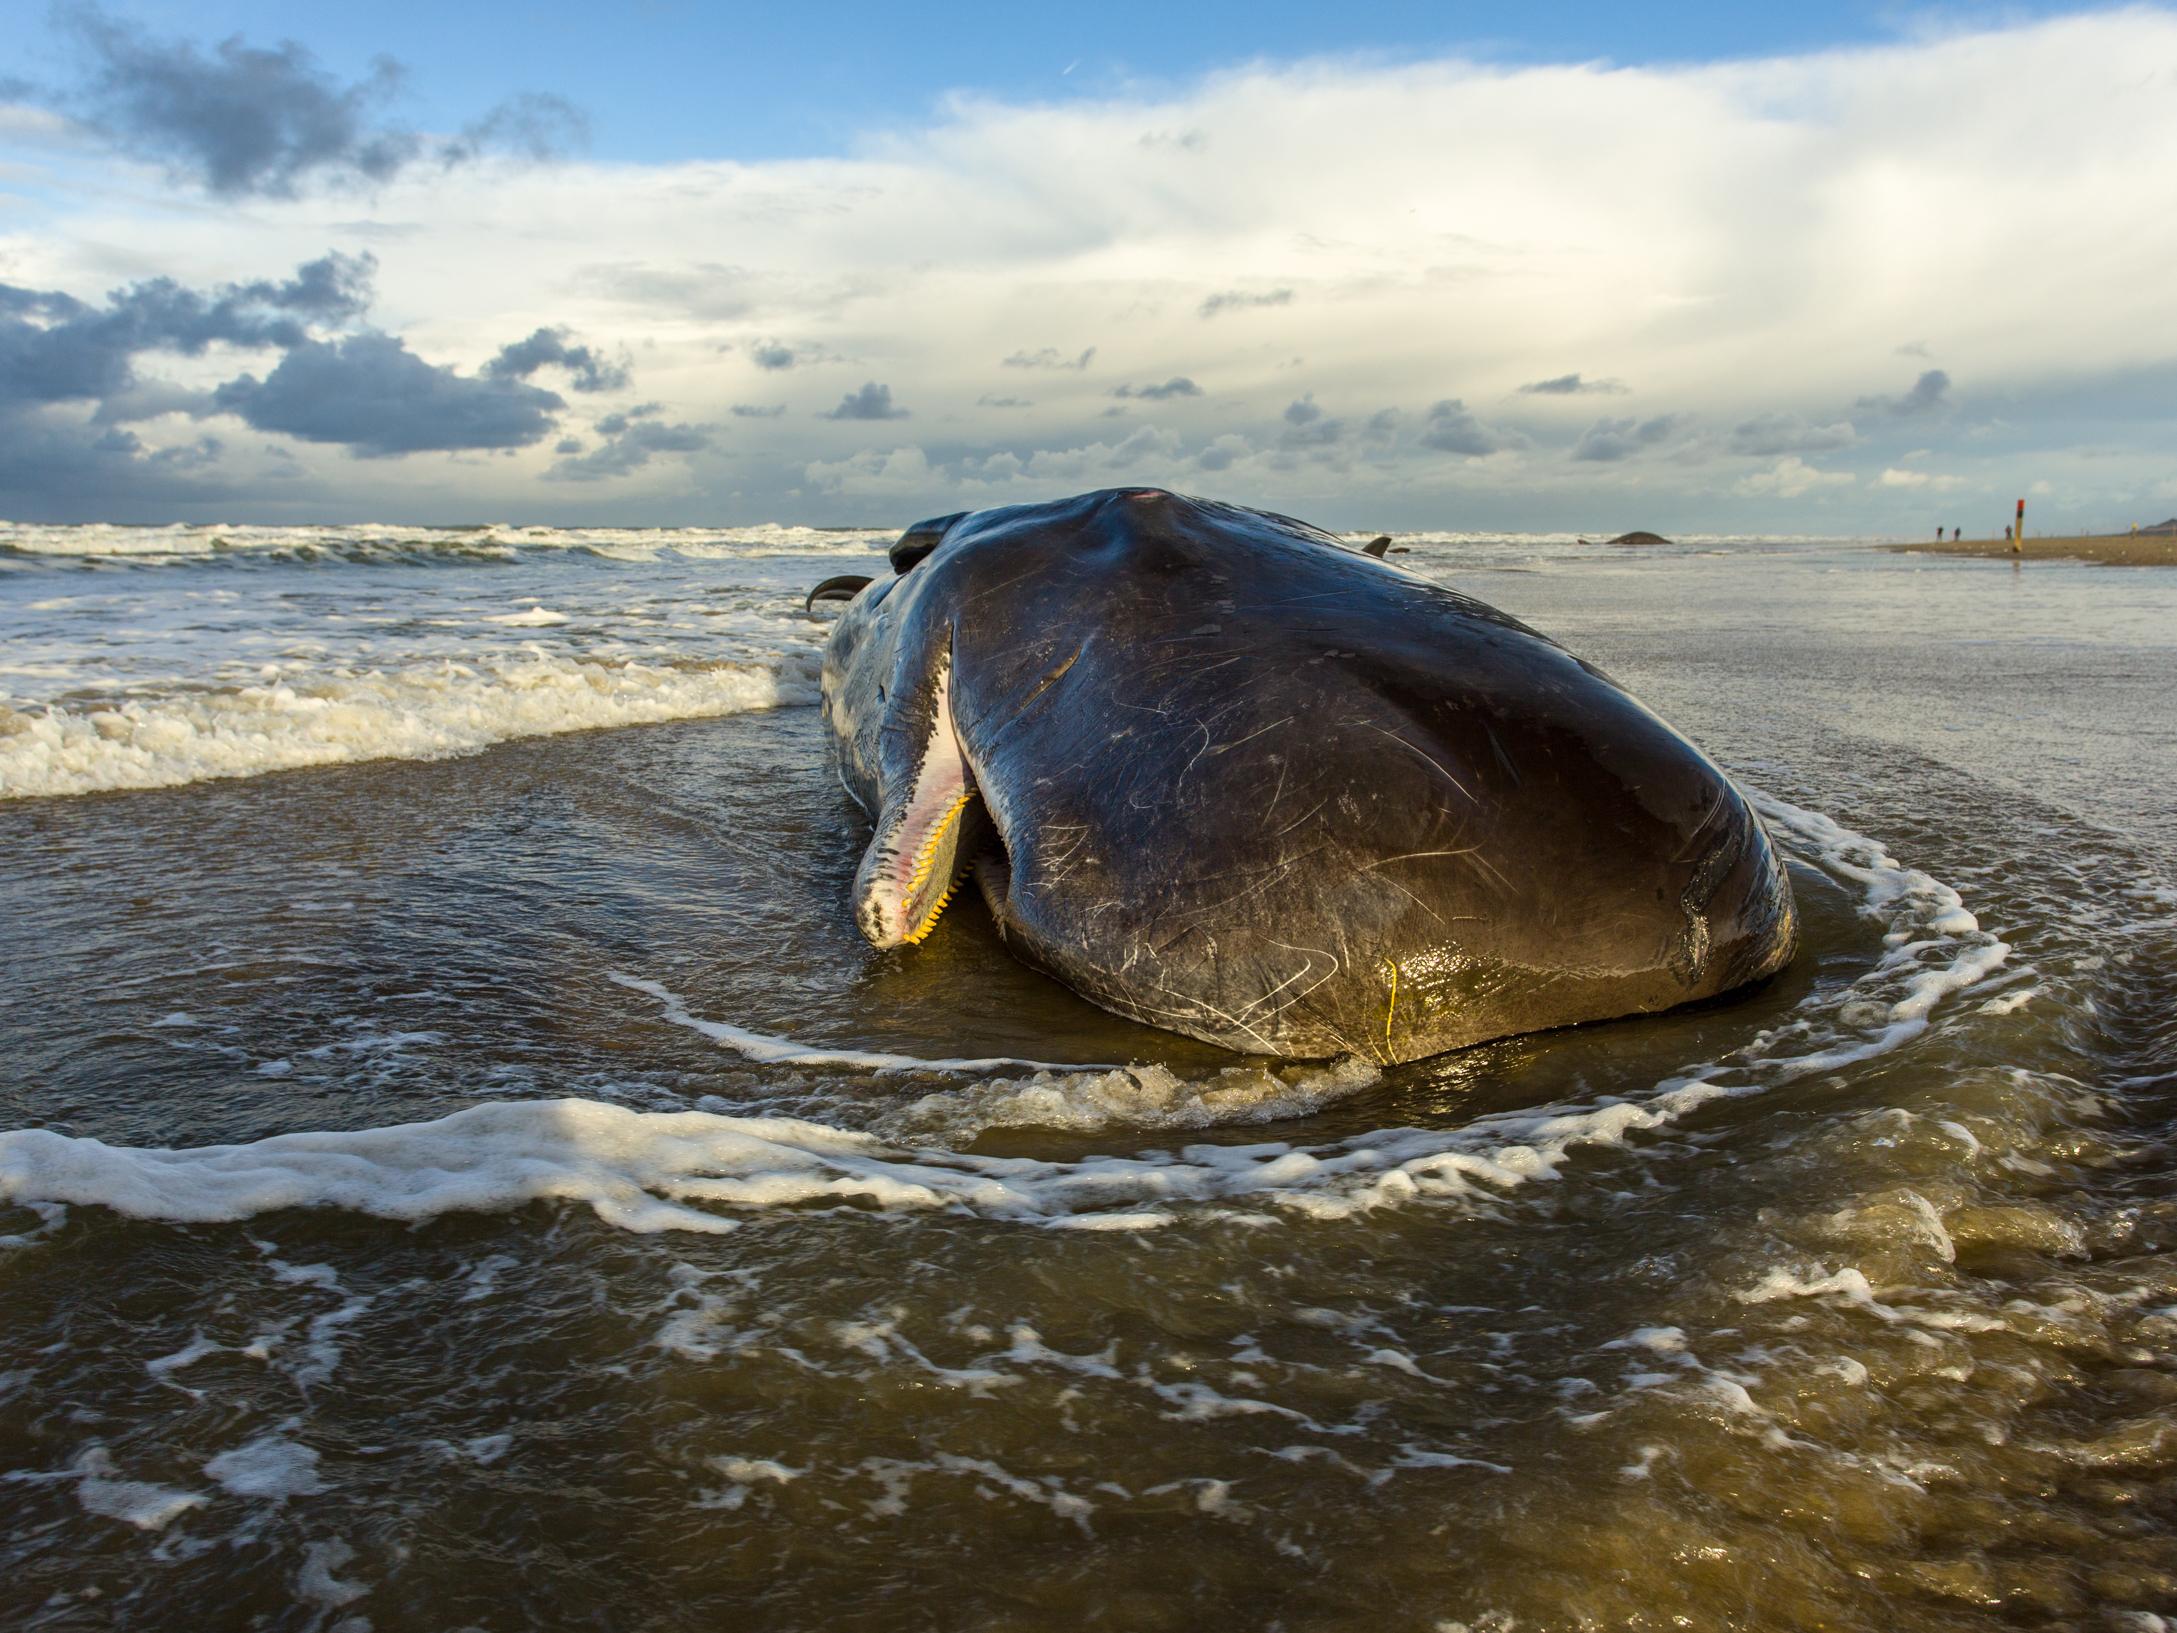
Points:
(2108, 549)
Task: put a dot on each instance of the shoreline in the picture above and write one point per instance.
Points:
(2101, 549)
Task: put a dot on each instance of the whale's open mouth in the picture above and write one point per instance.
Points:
(923, 848)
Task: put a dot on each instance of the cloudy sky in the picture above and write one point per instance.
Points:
(1861, 271)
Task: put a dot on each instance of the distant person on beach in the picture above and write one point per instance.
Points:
(1954, 535)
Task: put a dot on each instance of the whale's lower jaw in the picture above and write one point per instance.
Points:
(924, 842)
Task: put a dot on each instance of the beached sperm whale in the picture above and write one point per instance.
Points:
(1218, 772)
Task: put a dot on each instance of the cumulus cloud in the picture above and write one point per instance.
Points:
(1926, 395)
(1789, 478)
(631, 444)
(1608, 441)
(613, 424)
(1749, 241)
(373, 395)
(55, 348)
(58, 352)
(1780, 433)
(757, 411)
(1307, 426)
(1570, 385)
(588, 369)
(871, 473)
(872, 402)
(1147, 454)
(1235, 300)
(988, 401)
(772, 354)
(1177, 386)
(1221, 453)
(1451, 428)
(248, 119)
(1049, 357)
(1897, 477)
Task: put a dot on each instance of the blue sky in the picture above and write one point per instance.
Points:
(679, 79)
(1855, 270)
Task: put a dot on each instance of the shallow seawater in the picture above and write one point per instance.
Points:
(500, 1189)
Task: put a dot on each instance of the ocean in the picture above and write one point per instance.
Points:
(460, 1167)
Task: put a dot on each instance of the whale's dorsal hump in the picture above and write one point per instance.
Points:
(919, 540)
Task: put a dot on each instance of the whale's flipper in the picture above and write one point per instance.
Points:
(843, 588)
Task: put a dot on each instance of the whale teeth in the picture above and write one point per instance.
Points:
(936, 911)
(926, 860)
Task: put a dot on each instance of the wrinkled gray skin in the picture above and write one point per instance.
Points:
(1219, 773)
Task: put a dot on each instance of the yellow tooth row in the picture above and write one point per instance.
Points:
(928, 859)
(930, 923)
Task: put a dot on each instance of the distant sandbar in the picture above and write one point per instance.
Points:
(2109, 549)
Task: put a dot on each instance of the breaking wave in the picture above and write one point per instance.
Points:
(337, 718)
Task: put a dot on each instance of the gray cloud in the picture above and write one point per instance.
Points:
(150, 399)
(62, 473)
(370, 393)
(1003, 402)
(1233, 300)
(1177, 386)
(771, 354)
(632, 446)
(1925, 396)
(589, 370)
(1220, 454)
(55, 348)
(249, 120)
(534, 125)
(1571, 385)
(757, 411)
(613, 424)
(1608, 441)
(1451, 428)
(1768, 434)
(872, 402)
(1306, 426)
(1048, 358)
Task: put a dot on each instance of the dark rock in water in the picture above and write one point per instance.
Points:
(1640, 538)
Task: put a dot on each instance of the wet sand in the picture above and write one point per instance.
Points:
(2108, 549)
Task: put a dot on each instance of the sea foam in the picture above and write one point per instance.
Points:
(696, 1170)
(418, 712)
